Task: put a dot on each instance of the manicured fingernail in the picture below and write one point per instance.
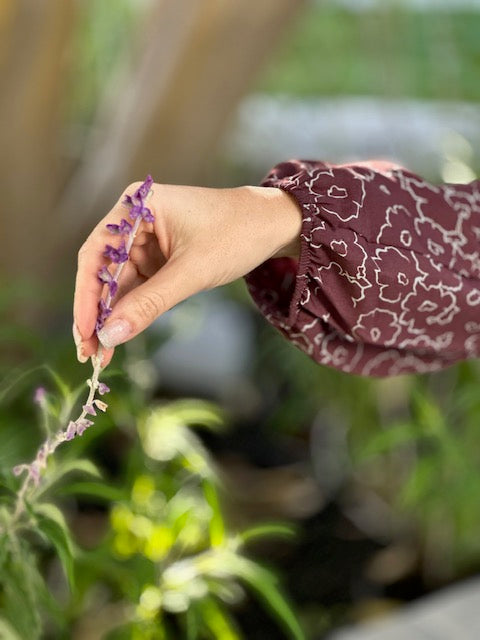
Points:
(76, 335)
(114, 333)
(78, 343)
(80, 355)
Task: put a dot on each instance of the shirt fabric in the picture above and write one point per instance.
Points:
(388, 278)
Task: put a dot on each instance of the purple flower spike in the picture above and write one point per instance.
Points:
(116, 255)
(89, 409)
(103, 388)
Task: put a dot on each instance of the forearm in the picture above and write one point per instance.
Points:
(387, 279)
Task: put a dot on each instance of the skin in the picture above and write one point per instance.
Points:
(201, 238)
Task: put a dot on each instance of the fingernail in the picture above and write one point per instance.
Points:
(78, 343)
(76, 335)
(114, 333)
(80, 355)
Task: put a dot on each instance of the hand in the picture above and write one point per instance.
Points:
(201, 238)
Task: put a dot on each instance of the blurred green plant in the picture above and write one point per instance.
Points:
(433, 455)
(412, 440)
(390, 50)
(167, 560)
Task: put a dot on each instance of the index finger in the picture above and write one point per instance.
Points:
(88, 288)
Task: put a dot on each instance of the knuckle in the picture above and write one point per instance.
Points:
(82, 252)
(150, 305)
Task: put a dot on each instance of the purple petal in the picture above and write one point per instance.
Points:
(116, 255)
(103, 388)
(104, 275)
(147, 215)
(82, 426)
(103, 313)
(88, 408)
(39, 396)
(125, 226)
(144, 188)
(136, 211)
(113, 288)
(120, 229)
(71, 430)
(132, 201)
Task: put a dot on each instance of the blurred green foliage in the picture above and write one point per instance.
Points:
(167, 560)
(390, 51)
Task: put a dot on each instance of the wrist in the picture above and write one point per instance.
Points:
(284, 220)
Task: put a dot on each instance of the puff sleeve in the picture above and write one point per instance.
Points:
(388, 278)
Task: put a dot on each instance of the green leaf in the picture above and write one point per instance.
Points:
(52, 524)
(274, 529)
(264, 583)
(94, 489)
(61, 385)
(7, 632)
(216, 524)
(390, 439)
(23, 590)
(192, 624)
(216, 619)
(62, 469)
(197, 412)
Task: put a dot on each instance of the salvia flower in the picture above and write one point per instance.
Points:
(136, 202)
(103, 388)
(82, 426)
(139, 211)
(106, 277)
(71, 431)
(88, 408)
(103, 313)
(40, 396)
(124, 228)
(116, 255)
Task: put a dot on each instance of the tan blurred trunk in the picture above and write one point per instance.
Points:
(34, 38)
(163, 112)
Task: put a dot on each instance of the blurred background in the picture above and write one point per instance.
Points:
(382, 478)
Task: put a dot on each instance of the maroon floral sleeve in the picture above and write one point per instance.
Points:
(388, 279)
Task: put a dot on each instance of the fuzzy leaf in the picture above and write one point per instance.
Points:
(7, 632)
(95, 489)
(264, 583)
(52, 524)
(61, 470)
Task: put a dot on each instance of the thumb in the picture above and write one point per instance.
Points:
(134, 312)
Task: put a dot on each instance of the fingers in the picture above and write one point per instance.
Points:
(138, 308)
(88, 289)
